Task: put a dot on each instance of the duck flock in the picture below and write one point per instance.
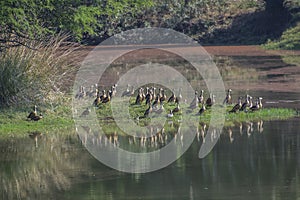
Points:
(156, 98)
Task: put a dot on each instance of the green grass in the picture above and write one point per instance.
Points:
(14, 122)
(106, 120)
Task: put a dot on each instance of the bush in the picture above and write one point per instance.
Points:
(36, 74)
(290, 40)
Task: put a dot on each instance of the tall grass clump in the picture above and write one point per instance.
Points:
(36, 74)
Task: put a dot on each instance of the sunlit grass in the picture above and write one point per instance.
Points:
(14, 121)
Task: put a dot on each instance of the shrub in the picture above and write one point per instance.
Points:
(36, 74)
(289, 40)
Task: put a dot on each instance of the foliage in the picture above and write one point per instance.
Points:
(34, 19)
(291, 59)
(35, 75)
(289, 40)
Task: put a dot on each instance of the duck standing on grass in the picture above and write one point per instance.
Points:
(201, 97)
(33, 113)
(256, 106)
(245, 104)
(260, 103)
(202, 109)
(210, 101)
(228, 98)
(177, 109)
(237, 107)
(34, 116)
(37, 118)
(172, 98)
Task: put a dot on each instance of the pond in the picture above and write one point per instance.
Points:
(252, 160)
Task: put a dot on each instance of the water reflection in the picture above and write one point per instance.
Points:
(259, 159)
(33, 167)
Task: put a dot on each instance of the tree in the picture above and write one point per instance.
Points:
(35, 19)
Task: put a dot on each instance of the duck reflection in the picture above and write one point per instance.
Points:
(35, 136)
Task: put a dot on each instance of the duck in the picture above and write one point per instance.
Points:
(260, 103)
(138, 99)
(250, 102)
(179, 97)
(201, 97)
(237, 106)
(153, 92)
(148, 111)
(245, 104)
(156, 102)
(149, 95)
(177, 109)
(163, 96)
(107, 98)
(37, 117)
(172, 98)
(33, 113)
(35, 135)
(170, 114)
(127, 92)
(255, 107)
(202, 109)
(97, 101)
(113, 90)
(81, 93)
(210, 101)
(194, 104)
(103, 96)
(228, 99)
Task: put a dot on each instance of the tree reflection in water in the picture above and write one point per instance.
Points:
(253, 158)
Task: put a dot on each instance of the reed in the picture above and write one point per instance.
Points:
(37, 74)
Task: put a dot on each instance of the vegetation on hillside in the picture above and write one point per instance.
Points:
(207, 21)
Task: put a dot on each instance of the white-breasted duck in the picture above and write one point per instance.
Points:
(33, 113)
(170, 114)
(256, 106)
(260, 102)
(108, 97)
(228, 98)
(163, 96)
(172, 98)
(127, 92)
(210, 100)
(179, 97)
(139, 97)
(201, 97)
(245, 104)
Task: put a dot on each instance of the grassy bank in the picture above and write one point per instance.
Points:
(136, 112)
(14, 122)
